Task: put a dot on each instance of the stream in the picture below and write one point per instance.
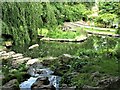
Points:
(40, 73)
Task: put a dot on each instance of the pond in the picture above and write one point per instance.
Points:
(53, 48)
(56, 49)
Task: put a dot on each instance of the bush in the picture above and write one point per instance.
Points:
(106, 20)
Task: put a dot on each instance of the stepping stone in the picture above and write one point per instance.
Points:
(5, 54)
(16, 63)
(16, 58)
(17, 55)
(11, 52)
(32, 61)
(5, 57)
(2, 52)
(22, 60)
(8, 53)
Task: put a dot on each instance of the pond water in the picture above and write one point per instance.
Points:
(56, 49)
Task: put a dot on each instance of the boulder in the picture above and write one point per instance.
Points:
(95, 75)
(42, 83)
(32, 69)
(66, 87)
(44, 87)
(11, 85)
(32, 61)
(110, 83)
(61, 70)
(86, 87)
(65, 58)
(48, 61)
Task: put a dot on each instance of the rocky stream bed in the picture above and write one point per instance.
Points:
(49, 74)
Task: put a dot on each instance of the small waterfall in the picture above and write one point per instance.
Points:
(26, 85)
(45, 72)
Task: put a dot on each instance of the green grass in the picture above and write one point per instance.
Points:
(100, 31)
(80, 32)
(57, 33)
(106, 31)
(43, 31)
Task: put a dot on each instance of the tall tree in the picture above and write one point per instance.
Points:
(21, 20)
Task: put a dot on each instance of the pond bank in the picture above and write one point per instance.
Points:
(65, 40)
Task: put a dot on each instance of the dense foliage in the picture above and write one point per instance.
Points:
(108, 14)
(106, 20)
(21, 20)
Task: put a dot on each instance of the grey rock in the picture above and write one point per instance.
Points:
(32, 61)
(86, 87)
(110, 83)
(11, 85)
(44, 87)
(42, 83)
(65, 87)
(65, 58)
(32, 69)
(95, 74)
(49, 60)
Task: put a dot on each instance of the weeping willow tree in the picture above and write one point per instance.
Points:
(49, 15)
(21, 20)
